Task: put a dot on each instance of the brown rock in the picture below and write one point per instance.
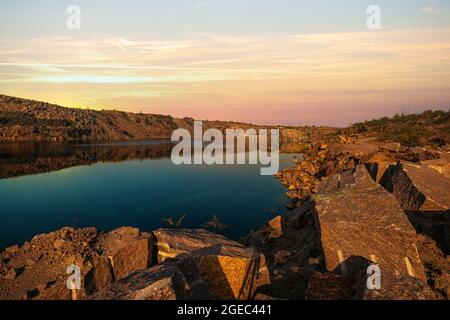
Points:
(418, 187)
(359, 222)
(127, 249)
(173, 243)
(391, 147)
(213, 266)
(161, 282)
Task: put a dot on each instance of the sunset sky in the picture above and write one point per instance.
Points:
(287, 62)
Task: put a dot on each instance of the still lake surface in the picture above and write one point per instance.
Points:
(44, 187)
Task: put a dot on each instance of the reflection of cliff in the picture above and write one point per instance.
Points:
(24, 159)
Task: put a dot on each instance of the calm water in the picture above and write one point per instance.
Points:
(45, 187)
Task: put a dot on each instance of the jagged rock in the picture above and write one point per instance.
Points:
(204, 265)
(173, 243)
(359, 220)
(123, 251)
(161, 282)
(437, 266)
(288, 255)
(330, 286)
(12, 249)
(440, 165)
(396, 287)
(424, 194)
(418, 187)
(276, 229)
(37, 270)
(391, 147)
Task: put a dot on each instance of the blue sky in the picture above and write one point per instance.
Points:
(135, 18)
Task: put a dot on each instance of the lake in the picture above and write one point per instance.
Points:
(44, 187)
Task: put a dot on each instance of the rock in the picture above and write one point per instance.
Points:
(441, 165)
(330, 286)
(360, 222)
(288, 254)
(58, 244)
(110, 256)
(127, 249)
(263, 297)
(424, 194)
(197, 264)
(396, 287)
(418, 187)
(437, 266)
(12, 249)
(10, 275)
(391, 147)
(161, 282)
(276, 228)
(173, 243)
(281, 256)
(100, 276)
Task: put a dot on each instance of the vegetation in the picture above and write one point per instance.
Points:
(427, 128)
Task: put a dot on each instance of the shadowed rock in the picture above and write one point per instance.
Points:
(424, 194)
(418, 187)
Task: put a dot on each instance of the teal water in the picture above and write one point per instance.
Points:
(108, 186)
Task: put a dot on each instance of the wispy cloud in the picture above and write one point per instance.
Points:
(207, 74)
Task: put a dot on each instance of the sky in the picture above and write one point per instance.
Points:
(288, 62)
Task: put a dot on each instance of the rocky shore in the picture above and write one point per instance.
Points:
(355, 204)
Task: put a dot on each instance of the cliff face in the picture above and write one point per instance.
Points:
(29, 120)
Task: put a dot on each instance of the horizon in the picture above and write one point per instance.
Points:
(292, 63)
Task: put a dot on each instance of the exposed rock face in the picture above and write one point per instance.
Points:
(161, 282)
(437, 266)
(391, 147)
(291, 245)
(424, 194)
(396, 287)
(418, 187)
(196, 264)
(173, 243)
(37, 270)
(440, 165)
(29, 120)
(122, 252)
(358, 219)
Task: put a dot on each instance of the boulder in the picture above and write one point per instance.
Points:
(391, 147)
(418, 187)
(161, 282)
(395, 287)
(122, 252)
(440, 165)
(359, 222)
(293, 255)
(197, 264)
(173, 243)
